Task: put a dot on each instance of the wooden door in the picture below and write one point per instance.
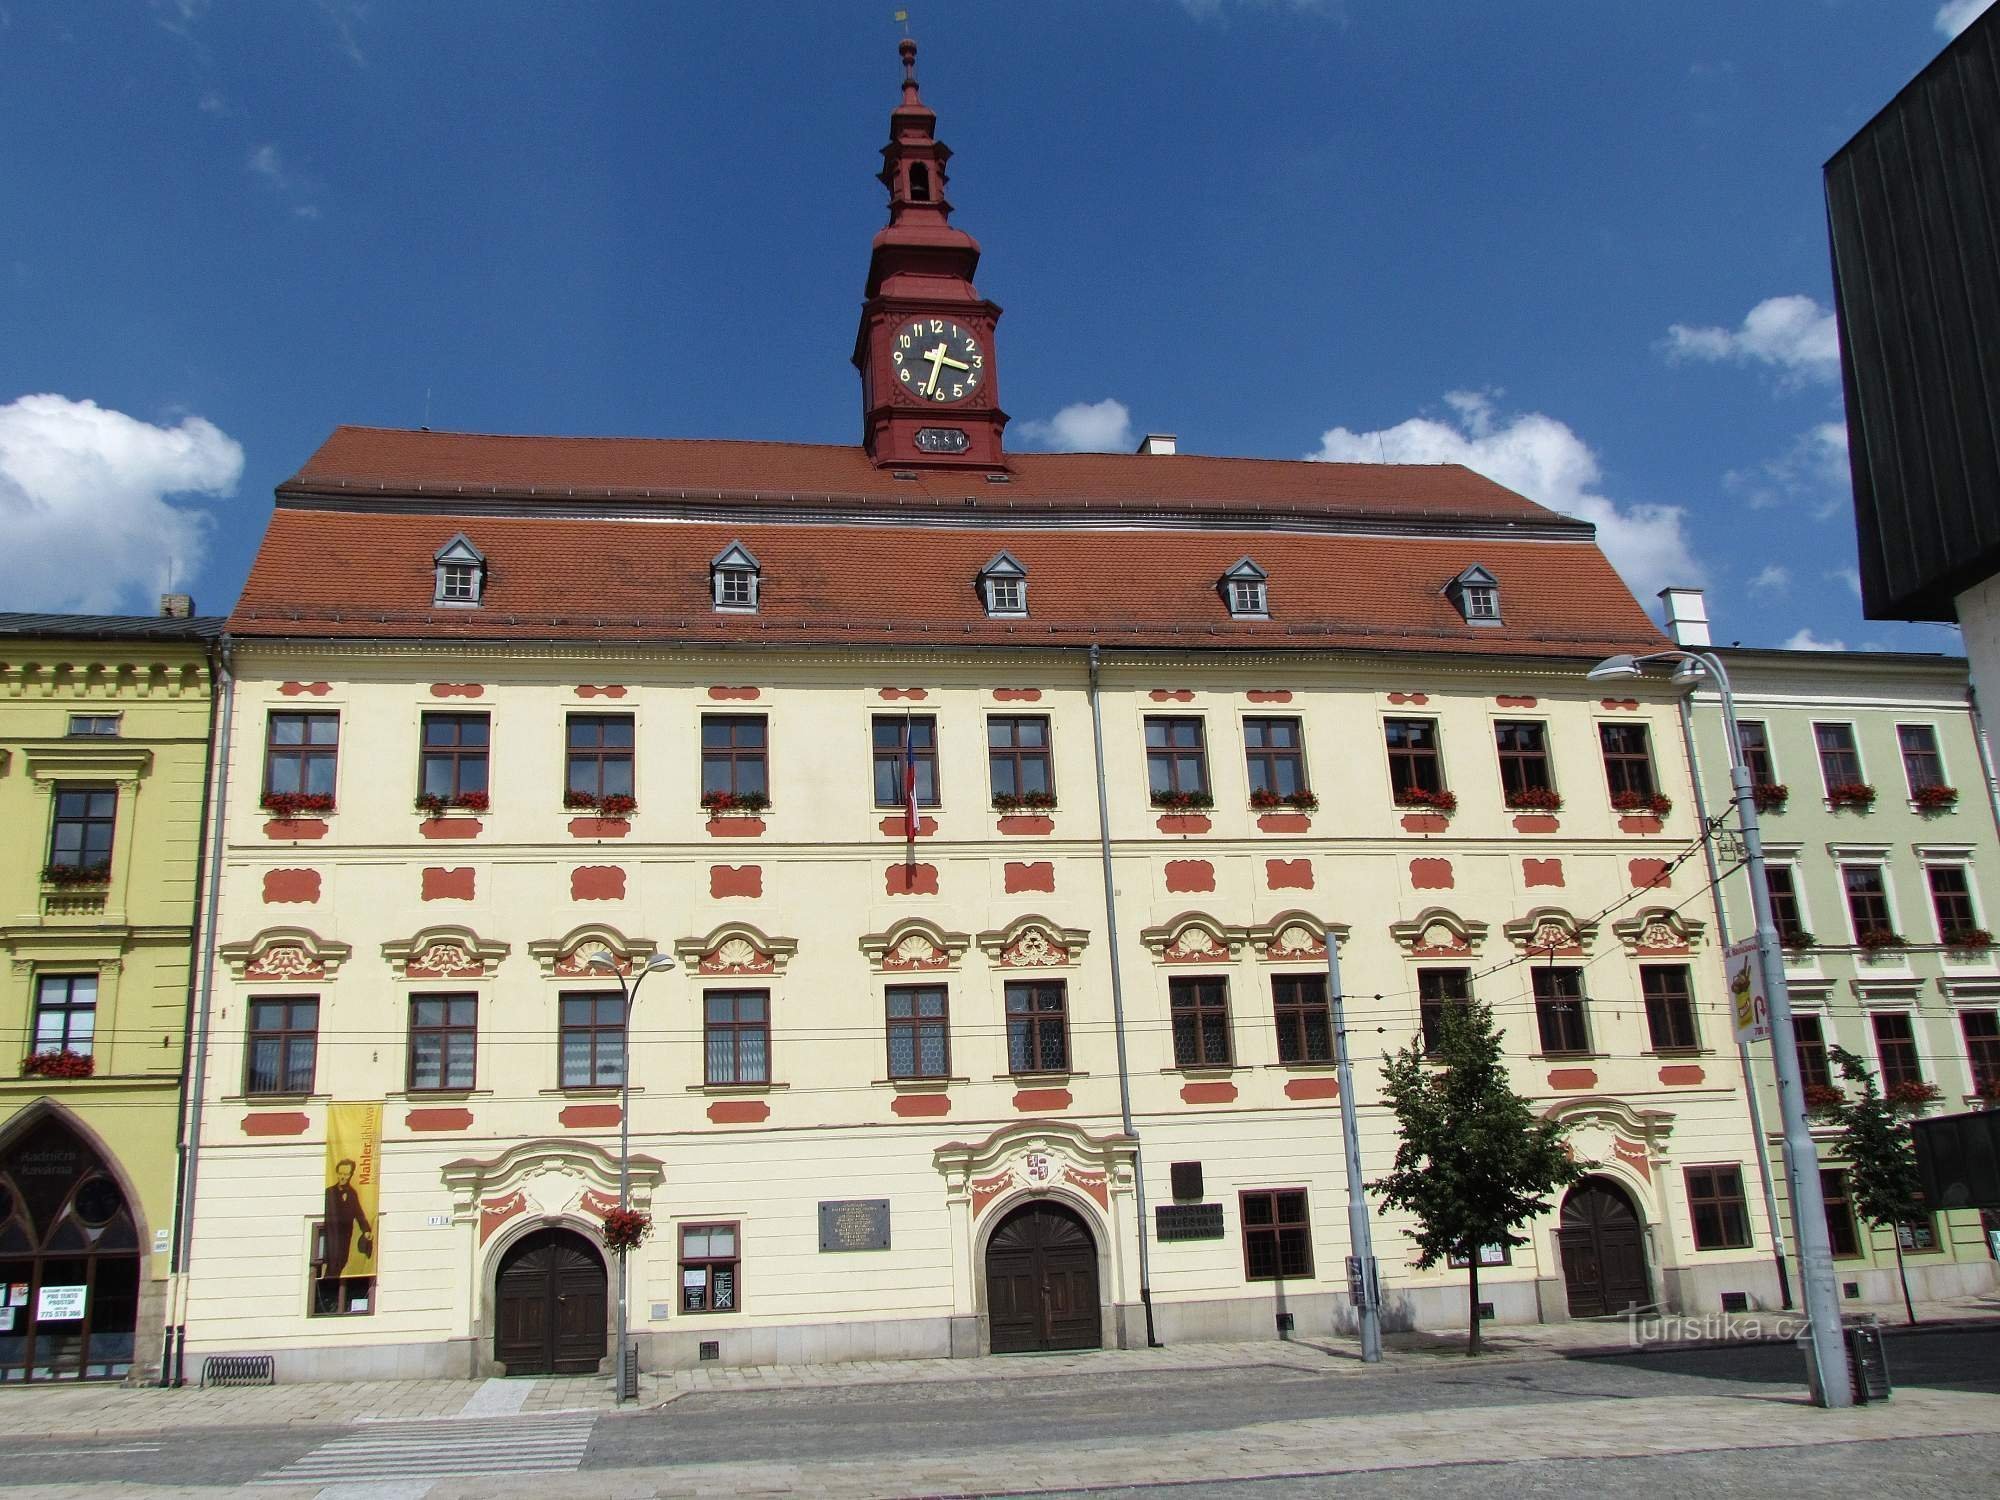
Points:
(1041, 1282)
(1603, 1251)
(549, 1306)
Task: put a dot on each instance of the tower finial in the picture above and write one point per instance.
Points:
(908, 48)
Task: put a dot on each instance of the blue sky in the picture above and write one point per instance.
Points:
(1579, 245)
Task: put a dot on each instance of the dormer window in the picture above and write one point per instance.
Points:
(1244, 590)
(1476, 594)
(1004, 584)
(461, 574)
(734, 574)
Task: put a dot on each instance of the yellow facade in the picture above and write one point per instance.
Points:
(118, 707)
(371, 905)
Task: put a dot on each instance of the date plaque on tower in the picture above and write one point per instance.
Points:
(855, 1224)
(942, 440)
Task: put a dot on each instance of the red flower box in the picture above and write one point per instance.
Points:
(61, 874)
(1935, 798)
(1876, 939)
(1656, 803)
(626, 1229)
(1821, 1097)
(734, 802)
(1535, 799)
(1183, 801)
(1014, 802)
(1912, 1094)
(1770, 796)
(1268, 801)
(1851, 794)
(1968, 939)
(613, 805)
(63, 1064)
(289, 805)
(1416, 796)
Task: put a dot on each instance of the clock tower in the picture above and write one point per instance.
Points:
(930, 393)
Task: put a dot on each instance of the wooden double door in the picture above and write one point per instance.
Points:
(1603, 1250)
(1041, 1282)
(549, 1306)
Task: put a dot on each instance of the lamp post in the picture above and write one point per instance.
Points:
(1831, 1384)
(604, 963)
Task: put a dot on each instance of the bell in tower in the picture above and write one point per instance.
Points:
(929, 381)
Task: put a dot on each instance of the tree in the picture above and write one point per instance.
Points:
(1473, 1161)
(1881, 1152)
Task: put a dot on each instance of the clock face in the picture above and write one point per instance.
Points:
(937, 360)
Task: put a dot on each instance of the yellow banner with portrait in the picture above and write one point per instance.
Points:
(353, 1176)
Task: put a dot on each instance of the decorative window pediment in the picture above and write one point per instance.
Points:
(1659, 929)
(444, 953)
(1246, 590)
(1034, 942)
(1475, 593)
(736, 577)
(1550, 931)
(461, 574)
(549, 1181)
(279, 953)
(1037, 1157)
(1194, 938)
(1294, 937)
(914, 944)
(1439, 932)
(1003, 585)
(569, 956)
(736, 948)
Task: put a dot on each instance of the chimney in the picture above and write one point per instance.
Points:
(1687, 616)
(176, 606)
(1158, 442)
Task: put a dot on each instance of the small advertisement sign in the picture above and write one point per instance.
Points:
(1748, 1007)
(59, 1304)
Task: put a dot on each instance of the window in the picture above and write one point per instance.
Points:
(600, 756)
(919, 1031)
(1200, 1012)
(1951, 900)
(1277, 761)
(1867, 900)
(1559, 1009)
(1896, 1050)
(1244, 590)
(461, 572)
(1715, 1201)
(1628, 760)
(1669, 1007)
(1922, 766)
(1017, 756)
(1438, 989)
(284, 1044)
(1755, 744)
(1277, 1240)
(93, 725)
(737, 1033)
(444, 1041)
(1809, 1040)
(1415, 767)
(709, 1263)
(735, 577)
(1005, 584)
(80, 838)
(1982, 1048)
(1778, 884)
(1038, 1027)
(299, 754)
(1305, 1025)
(1840, 1230)
(593, 1041)
(65, 1013)
(1482, 603)
(894, 734)
(454, 756)
(920, 182)
(1839, 761)
(1176, 758)
(733, 755)
(1476, 593)
(337, 1296)
(1524, 760)
(456, 584)
(1921, 1235)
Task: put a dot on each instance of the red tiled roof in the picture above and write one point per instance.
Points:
(398, 463)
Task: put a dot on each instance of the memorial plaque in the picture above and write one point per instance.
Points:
(854, 1224)
(1187, 1221)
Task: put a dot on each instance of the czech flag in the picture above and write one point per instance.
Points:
(909, 779)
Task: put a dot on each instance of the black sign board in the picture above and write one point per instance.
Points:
(1187, 1221)
(942, 440)
(854, 1224)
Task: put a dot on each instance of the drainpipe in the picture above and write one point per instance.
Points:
(1985, 752)
(1118, 1004)
(1742, 1047)
(194, 1063)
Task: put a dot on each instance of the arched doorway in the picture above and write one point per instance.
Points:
(549, 1300)
(69, 1261)
(1041, 1281)
(1603, 1250)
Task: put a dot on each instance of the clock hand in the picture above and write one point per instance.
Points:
(955, 364)
(937, 358)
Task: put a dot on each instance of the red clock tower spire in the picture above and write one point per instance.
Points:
(930, 393)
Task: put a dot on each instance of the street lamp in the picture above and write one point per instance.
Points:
(1831, 1384)
(604, 963)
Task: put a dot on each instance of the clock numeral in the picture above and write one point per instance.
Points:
(906, 376)
(978, 361)
(971, 381)
(937, 325)
(971, 344)
(957, 391)
(896, 356)
(905, 341)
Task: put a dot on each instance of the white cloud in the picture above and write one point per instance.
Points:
(267, 164)
(1955, 15)
(1813, 469)
(1805, 640)
(1773, 577)
(1546, 461)
(1849, 576)
(1084, 427)
(1794, 334)
(83, 503)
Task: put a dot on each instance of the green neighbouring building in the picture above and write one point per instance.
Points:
(1877, 810)
(104, 754)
